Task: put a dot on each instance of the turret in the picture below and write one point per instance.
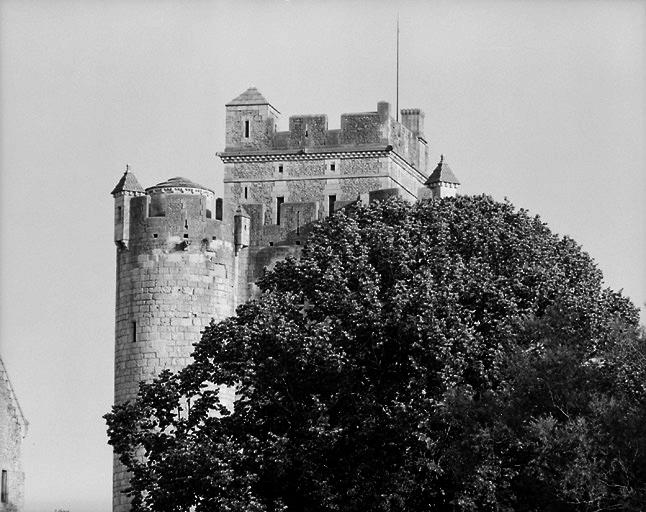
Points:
(126, 189)
(442, 182)
(177, 274)
(242, 228)
(251, 122)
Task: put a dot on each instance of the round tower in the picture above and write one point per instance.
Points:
(175, 272)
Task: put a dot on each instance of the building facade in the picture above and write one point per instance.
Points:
(13, 428)
(185, 257)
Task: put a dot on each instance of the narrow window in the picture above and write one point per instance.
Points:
(218, 208)
(280, 168)
(330, 204)
(133, 325)
(246, 129)
(185, 223)
(4, 498)
(298, 223)
(209, 214)
(119, 214)
(245, 192)
(307, 133)
(332, 167)
(279, 201)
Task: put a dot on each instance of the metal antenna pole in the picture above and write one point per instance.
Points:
(397, 90)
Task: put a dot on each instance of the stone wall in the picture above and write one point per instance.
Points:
(12, 430)
(261, 122)
(176, 274)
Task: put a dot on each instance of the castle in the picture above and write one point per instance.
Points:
(185, 256)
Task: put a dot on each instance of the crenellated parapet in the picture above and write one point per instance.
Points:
(251, 127)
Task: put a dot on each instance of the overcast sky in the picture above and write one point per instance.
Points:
(541, 102)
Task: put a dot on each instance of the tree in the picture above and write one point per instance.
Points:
(452, 354)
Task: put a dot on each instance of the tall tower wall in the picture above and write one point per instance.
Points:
(175, 275)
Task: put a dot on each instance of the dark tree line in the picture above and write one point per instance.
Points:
(448, 355)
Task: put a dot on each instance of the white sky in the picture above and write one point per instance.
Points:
(541, 102)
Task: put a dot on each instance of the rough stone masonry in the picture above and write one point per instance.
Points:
(185, 256)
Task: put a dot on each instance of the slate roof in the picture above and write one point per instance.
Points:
(442, 174)
(127, 183)
(251, 96)
(179, 182)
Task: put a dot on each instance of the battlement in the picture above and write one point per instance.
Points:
(176, 213)
(251, 127)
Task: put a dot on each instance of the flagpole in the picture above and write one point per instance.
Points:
(397, 88)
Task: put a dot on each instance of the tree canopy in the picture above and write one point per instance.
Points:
(446, 355)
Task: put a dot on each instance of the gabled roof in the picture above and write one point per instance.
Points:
(442, 174)
(178, 182)
(5, 387)
(251, 96)
(127, 183)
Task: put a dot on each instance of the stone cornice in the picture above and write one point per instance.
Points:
(275, 155)
(308, 178)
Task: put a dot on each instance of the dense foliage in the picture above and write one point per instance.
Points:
(448, 355)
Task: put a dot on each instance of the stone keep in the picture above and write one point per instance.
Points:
(13, 428)
(185, 256)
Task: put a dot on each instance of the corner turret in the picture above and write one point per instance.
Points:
(251, 122)
(442, 182)
(242, 229)
(126, 188)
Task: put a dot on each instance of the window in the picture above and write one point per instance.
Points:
(330, 204)
(332, 167)
(133, 325)
(218, 208)
(298, 222)
(279, 201)
(246, 129)
(280, 168)
(119, 214)
(245, 192)
(4, 498)
(155, 235)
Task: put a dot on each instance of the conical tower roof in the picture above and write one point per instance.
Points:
(127, 183)
(442, 174)
(251, 96)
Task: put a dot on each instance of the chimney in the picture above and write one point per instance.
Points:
(413, 119)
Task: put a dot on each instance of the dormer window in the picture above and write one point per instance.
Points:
(246, 129)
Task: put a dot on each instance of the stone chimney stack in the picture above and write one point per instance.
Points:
(413, 119)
